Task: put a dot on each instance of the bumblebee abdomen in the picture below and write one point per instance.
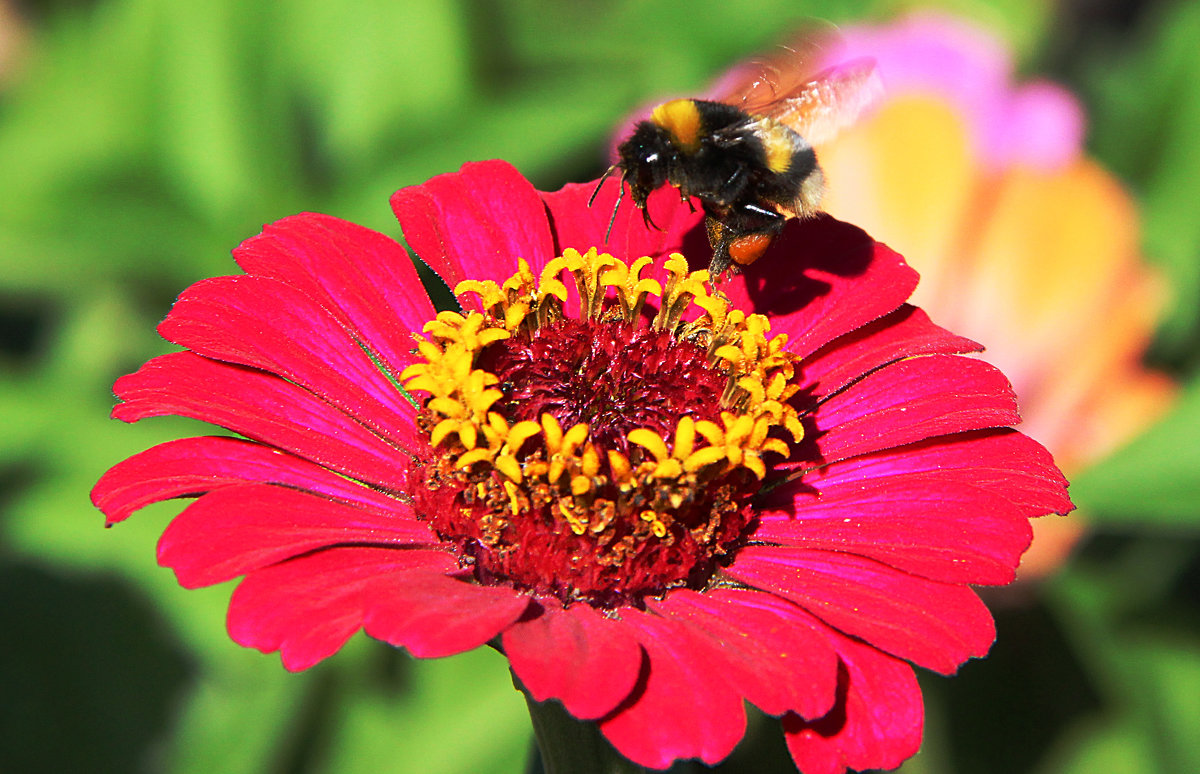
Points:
(792, 179)
(780, 145)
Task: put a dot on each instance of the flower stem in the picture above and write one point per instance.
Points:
(571, 746)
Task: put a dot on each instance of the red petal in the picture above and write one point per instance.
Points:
(1004, 462)
(361, 277)
(238, 529)
(193, 466)
(588, 662)
(936, 625)
(991, 465)
(475, 223)
(263, 407)
(307, 607)
(943, 529)
(685, 708)
(912, 400)
(266, 324)
(433, 615)
(906, 332)
(822, 279)
(877, 722)
(776, 654)
(580, 225)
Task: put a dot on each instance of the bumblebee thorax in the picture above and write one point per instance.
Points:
(680, 118)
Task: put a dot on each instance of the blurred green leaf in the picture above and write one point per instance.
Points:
(1153, 730)
(376, 66)
(1145, 118)
(1113, 748)
(85, 659)
(1173, 685)
(1143, 656)
(461, 715)
(1152, 481)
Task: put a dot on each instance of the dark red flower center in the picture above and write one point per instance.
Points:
(600, 459)
(611, 376)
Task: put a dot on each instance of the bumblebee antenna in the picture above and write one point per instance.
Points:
(600, 184)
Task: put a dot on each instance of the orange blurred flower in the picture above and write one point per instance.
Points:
(1022, 242)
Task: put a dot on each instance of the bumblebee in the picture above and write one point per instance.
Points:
(746, 156)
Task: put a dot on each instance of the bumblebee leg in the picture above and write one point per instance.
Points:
(719, 238)
(646, 219)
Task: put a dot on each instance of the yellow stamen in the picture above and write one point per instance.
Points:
(542, 464)
(513, 502)
(578, 524)
(685, 438)
(651, 442)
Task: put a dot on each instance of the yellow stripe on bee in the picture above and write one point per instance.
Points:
(680, 117)
(777, 142)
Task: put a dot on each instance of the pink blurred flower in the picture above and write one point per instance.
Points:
(1037, 123)
(1022, 243)
(654, 508)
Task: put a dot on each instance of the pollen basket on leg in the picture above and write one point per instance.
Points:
(603, 456)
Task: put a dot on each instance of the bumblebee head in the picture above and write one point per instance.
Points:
(645, 160)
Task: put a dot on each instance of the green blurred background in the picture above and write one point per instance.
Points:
(140, 140)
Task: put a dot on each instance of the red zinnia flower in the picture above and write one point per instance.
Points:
(653, 505)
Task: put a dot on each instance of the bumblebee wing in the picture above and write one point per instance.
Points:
(786, 85)
(758, 83)
(833, 100)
